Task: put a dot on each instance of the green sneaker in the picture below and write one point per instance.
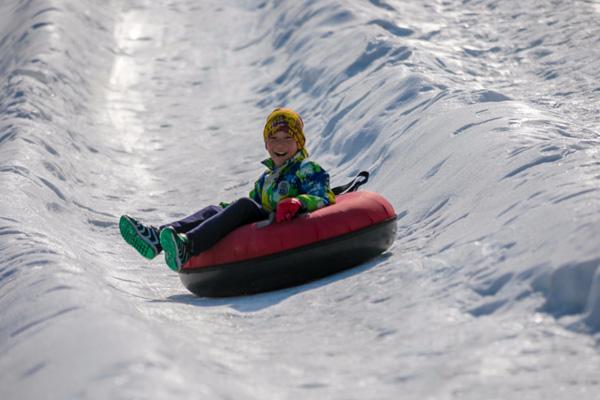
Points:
(145, 239)
(176, 246)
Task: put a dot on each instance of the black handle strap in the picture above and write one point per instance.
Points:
(358, 181)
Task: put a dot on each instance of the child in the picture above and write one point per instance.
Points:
(292, 184)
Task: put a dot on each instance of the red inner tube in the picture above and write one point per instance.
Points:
(352, 212)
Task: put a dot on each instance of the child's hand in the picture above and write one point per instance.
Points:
(287, 209)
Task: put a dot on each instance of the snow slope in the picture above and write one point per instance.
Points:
(477, 119)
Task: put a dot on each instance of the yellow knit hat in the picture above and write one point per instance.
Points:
(288, 120)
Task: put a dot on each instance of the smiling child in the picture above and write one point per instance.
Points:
(291, 184)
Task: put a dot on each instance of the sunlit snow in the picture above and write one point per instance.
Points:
(478, 121)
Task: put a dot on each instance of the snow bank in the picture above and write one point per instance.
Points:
(63, 332)
(483, 178)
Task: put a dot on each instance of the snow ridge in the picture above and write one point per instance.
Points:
(475, 160)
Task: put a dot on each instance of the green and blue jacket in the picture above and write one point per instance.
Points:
(298, 177)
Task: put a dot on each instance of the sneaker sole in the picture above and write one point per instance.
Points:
(132, 236)
(169, 245)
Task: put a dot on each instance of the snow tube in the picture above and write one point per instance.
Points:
(256, 258)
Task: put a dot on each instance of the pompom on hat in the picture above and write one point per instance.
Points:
(288, 120)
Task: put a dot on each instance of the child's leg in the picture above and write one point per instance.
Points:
(238, 213)
(190, 222)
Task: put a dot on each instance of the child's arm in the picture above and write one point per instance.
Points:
(257, 190)
(315, 190)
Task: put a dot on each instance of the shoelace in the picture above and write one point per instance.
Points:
(183, 251)
(149, 233)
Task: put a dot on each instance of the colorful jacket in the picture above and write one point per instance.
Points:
(299, 178)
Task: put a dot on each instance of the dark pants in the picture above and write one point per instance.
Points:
(211, 224)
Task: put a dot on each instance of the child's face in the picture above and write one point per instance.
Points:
(281, 147)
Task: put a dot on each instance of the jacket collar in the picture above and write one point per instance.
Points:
(299, 156)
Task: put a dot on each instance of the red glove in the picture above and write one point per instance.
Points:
(287, 209)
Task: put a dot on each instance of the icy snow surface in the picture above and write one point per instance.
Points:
(477, 119)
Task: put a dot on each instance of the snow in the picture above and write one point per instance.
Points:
(477, 120)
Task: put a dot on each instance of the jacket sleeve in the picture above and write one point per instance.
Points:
(315, 190)
(255, 193)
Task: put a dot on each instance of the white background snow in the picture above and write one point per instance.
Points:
(478, 120)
